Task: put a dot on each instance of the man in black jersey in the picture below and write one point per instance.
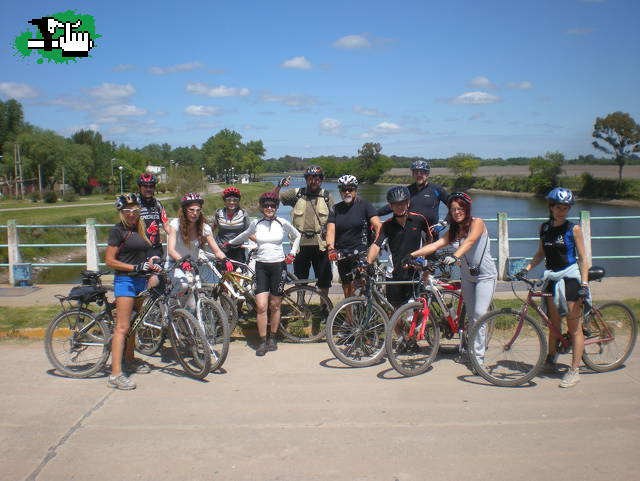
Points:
(152, 213)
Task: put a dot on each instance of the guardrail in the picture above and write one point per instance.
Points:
(93, 258)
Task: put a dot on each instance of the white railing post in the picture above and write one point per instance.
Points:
(585, 226)
(503, 245)
(14, 251)
(93, 257)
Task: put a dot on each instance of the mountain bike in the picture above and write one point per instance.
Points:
(78, 340)
(517, 348)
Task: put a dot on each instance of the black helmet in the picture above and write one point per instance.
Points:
(314, 170)
(127, 199)
(398, 194)
(421, 165)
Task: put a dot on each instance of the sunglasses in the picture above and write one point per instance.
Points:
(348, 189)
(131, 211)
(269, 206)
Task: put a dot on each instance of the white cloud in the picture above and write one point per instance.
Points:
(369, 112)
(524, 85)
(366, 135)
(288, 100)
(123, 67)
(579, 31)
(111, 93)
(73, 103)
(15, 90)
(352, 42)
(124, 111)
(330, 126)
(199, 88)
(183, 67)
(387, 128)
(202, 110)
(300, 63)
(476, 98)
(481, 83)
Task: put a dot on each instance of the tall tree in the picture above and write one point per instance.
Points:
(369, 154)
(622, 133)
(464, 164)
(545, 171)
(222, 151)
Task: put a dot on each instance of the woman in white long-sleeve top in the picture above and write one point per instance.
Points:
(271, 265)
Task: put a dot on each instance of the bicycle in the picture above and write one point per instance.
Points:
(303, 311)
(78, 340)
(516, 351)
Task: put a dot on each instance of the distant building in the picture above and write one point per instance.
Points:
(244, 178)
(159, 172)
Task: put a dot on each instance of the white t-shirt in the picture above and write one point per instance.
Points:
(185, 249)
(269, 235)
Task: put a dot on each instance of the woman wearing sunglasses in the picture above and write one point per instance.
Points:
(469, 237)
(187, 234)
(128, 250)
(271, 265)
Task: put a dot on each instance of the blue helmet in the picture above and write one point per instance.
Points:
(421, 165)
(560, 195)
(398, 194)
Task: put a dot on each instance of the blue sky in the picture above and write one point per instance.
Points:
(497, 78)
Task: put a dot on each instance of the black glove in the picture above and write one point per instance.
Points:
(142, 267)
(522, 274)
(584, 291)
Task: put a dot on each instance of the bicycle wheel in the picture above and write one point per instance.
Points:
(356, 331)
(230, 307)
(77, 343)
(408, 354)
(216, 328)
(190, 344)
(514, 349)
(303, 314)
(449, 339)
(150, 336)
(613, 331)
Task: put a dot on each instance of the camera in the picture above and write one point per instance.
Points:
(474, 270)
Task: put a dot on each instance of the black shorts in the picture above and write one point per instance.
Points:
(571, 288)
(237, 254)
(398, 294)
(312, 255)
(345, 269)
(270, 277)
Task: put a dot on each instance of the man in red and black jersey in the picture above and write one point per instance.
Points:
(403, 232)
(152, 212)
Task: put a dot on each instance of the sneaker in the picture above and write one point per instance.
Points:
(121, 382)
(571, 378)
(137, 367)
(550, 364)
(262, 348)
(272, 344)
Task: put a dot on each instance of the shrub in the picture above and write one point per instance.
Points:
(35, 196)
(50, 197)
(70, 196)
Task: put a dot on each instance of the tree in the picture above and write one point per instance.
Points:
(622, 133)
(464, 165)
(544, 171)
(11, 120)
(222, 151)
(369, 154)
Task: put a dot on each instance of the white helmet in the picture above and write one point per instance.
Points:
(347, 180)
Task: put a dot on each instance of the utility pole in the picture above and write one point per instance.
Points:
(40, 178)
(17, 163)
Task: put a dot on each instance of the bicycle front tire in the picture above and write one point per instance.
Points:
(190, 344)
(514, 348)
(303, 314)
(353, 338)
(149, 335)
(216, 329)
(77, 343)
(614, 330)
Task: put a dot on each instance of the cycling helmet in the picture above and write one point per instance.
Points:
(191, 198)
(268, 197)
(146, 178)
(231, 192)
(398, 194)
(125, 199)
(560, 195)
(314, 170)
(347, 180)
(463, 196)
(421, 165)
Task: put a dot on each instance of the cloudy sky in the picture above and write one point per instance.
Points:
(431, 78)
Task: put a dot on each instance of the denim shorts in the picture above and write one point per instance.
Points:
(128, 286)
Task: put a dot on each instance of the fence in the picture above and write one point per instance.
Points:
(93, 258)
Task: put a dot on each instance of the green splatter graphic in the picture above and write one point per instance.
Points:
(55, 55)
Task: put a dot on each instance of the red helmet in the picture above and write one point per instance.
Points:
(147, 178)
(269, 197)
(463, 196)
(191, 198)
(231, 192)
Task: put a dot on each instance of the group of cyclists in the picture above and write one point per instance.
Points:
(322, 231)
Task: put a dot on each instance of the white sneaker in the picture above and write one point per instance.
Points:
(571, 378)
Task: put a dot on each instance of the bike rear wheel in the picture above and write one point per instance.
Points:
(190, 344)
(216, 328)
(77, 343)
(614, 330)
(303, 314)
(355, 338)
(230, 308)
(408, 355)
(514, 348)
(150, 335)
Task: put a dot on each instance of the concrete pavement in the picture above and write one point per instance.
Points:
(299, 414)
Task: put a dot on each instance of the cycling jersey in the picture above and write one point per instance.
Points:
(132, 249)
(269, 234)
(425, 201)
(153, 214)
(559, 245)
(229, 226)
(353, 229)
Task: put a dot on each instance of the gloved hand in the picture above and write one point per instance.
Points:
(584, 291)
(145, 266)
(224, 245)
(228, 265)
(522, 274)
(333, 255)
(450, 260)
(186, 266)
(289, 258)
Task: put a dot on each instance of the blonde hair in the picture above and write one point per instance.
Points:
(140, 226)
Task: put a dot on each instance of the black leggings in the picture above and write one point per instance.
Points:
(271, 277)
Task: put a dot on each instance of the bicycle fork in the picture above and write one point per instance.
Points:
(425, 316)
